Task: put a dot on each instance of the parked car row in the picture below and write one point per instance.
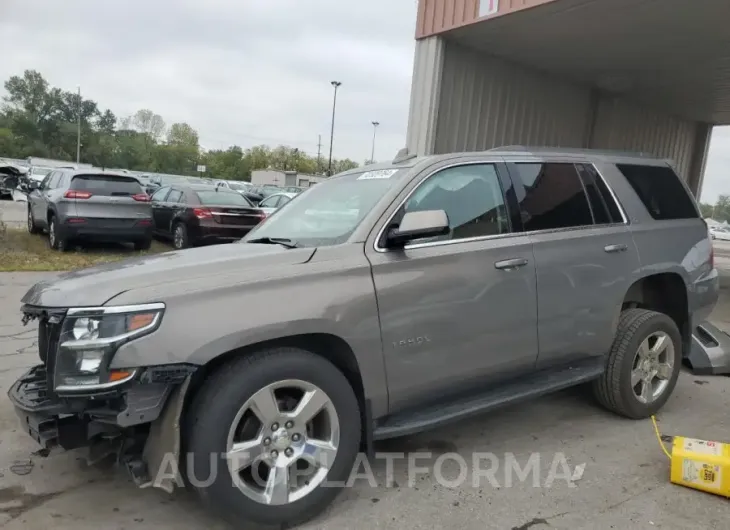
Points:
(77, 206)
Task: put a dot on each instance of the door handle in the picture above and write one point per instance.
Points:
(615, 248)
(510, 264)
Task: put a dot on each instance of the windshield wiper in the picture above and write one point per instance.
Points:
(284, 242)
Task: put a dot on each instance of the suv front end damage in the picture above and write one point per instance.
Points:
(74, 399)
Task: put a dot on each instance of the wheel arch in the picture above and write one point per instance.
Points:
(327, 345)
(664, 292)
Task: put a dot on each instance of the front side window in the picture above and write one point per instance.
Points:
(46, 181)
(470, 195)
(554, 197)
(328, 213)
(161, 194)
(270, 202)
(53, 182)
(175, 196)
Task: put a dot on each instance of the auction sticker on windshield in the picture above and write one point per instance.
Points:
(379, 174)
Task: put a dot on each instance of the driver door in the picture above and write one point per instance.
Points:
(38, 200)
(457, 312)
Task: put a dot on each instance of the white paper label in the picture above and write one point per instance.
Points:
(702, 447)
(379, 174)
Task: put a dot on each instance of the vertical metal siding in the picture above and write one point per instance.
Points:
(486, 102)
(626, 126)
(425, 89)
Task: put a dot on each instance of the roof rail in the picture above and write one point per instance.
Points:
(402, 156)
(575, 150)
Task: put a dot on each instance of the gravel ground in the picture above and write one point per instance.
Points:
(624, 482)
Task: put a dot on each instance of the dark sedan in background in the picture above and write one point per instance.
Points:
(191, 215)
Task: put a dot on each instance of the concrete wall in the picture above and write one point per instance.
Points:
(465, 100)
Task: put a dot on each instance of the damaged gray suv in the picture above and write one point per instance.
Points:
(379, 303)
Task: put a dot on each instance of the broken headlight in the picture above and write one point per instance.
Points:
(91, 336)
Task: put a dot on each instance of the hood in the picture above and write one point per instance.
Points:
(98, 285)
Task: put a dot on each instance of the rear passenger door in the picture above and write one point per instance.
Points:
(457, 312)
(585, 256)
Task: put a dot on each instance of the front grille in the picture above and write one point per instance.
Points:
(49, 334)
(50, 322)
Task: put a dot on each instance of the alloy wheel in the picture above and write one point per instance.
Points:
(653, 367)
(282, 442)
(31, 224)
(52, 233)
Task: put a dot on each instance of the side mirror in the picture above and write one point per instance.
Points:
(417, 225)
(33, 184)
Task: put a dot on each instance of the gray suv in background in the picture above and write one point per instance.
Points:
(388, 300)
(82, 205)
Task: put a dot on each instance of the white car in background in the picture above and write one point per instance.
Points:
(275, 201)
(720, 233)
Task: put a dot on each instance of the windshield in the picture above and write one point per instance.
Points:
(237, 186)
(327, 214)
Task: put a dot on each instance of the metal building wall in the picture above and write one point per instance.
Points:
(485, 102)
(425, 89)
(465, 100)
(438, 16)
(625, 126)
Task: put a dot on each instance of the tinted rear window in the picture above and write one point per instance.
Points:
(554, 197)
(661, 191)
(106, 185)
(222, 198)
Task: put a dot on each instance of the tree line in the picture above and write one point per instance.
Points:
(720, 211)
(39, 120)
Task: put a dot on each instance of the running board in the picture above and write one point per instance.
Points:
(522, 389)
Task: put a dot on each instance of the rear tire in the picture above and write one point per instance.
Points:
(180, 236)
(56, 238)
(32, 226)
(232, 394)
(144, 244)
(643, 365)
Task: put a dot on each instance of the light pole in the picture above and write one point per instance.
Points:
(372, 152)
(335, 84)
(78, 128)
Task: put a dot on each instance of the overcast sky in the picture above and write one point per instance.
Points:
(244, 72)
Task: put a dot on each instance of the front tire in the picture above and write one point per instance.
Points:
(643, 365)
(285, 427)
